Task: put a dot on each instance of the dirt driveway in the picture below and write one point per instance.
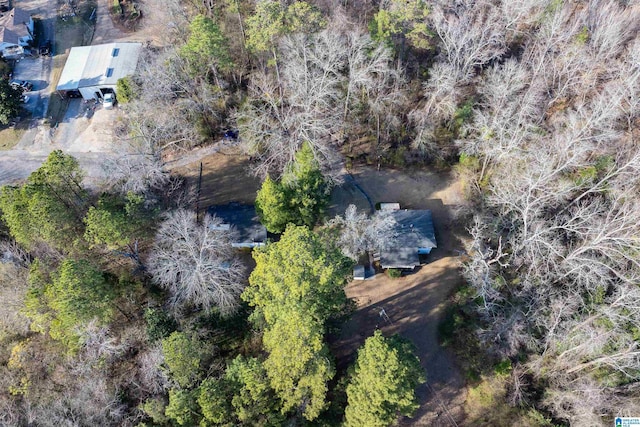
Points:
(415, 303)
(224, 175)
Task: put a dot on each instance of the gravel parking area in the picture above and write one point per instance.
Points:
(37, 71)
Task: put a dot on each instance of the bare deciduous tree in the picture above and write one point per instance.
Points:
(359, 233)
(196, 262)
(320, 78)
(300, 105)
(14, 269)
(152, 377)
(471, 33)
(554, 249)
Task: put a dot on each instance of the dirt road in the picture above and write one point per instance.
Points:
(88, 140)
(15, 166)
(105, 31)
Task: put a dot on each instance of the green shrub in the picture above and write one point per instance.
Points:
(159, 324)
(183, 355)
(503, 367)
(452, 321)
(583, 36)
(117, 8)
(155, 408)
(126, 89)
(183, 407)
(394, 273)
(397, 156)
(462, 115)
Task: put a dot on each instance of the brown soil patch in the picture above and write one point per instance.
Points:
(224, 178)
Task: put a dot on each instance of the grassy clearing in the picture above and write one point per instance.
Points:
(9, 137)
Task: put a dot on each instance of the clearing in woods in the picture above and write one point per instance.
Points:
(415, 303)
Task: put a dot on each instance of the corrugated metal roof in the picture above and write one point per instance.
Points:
(88, 65)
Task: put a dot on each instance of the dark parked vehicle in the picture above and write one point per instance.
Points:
(28, 86)
(22, 84)
(231, 134)
(45, 48)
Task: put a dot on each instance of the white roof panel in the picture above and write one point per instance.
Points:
(99, 65)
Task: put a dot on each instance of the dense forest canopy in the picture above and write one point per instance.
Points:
(125, 307)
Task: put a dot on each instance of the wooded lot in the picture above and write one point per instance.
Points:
(126, 305)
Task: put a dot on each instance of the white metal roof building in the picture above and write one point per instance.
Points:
(94, 70)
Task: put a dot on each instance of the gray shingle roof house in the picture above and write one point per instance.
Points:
(244, 219)
(16, 31)
(414, 236)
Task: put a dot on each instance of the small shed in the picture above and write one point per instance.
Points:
(93, 71)
(244, 219)
(415, 236)
(359, 272)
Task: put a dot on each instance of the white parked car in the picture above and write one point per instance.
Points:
(108, 101)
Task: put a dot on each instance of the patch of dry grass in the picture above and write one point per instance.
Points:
(486, 406)
(9, 137)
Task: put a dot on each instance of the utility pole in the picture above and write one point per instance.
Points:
(198, 195)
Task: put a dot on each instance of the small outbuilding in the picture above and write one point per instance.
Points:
(384, 207)
(244, 219)
(415, 236)
(93, 71)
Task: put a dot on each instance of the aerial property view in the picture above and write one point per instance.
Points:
(307, 213)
